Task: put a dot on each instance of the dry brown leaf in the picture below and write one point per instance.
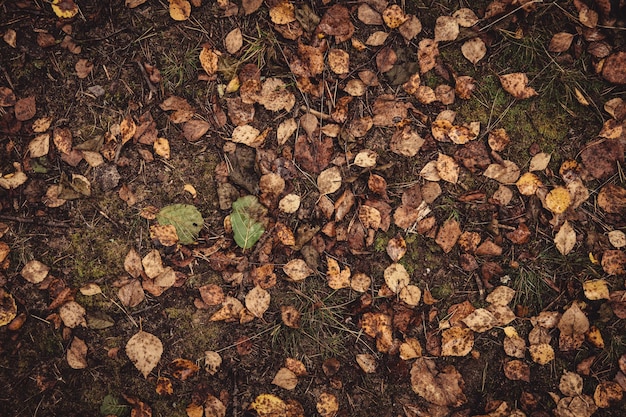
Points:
(234, 41)
(612, 199)
(209, 60)
(456, 341)
(144, 350)
(77, 354)
(539, 162)
(411, 28)
(427, 53)
(83, 68)
(474, 50)
(367, 362)
(290, 316)
(339, 61)
(360, 282)
(285, 378)
(447, 168)
(396, 277)
(283, 12)
(573, 326)
(25, 108)
(516, 84)
(480, 320)
(336, 22)
(565, 239)
(506, 173)
(329, 180)
(396, 248)
(336, 277)
(607, 394)
(131, 294)
(448, 235)
(516, 370)
(275, 96)
(614, 68)
(501, 295)
(446, 29)
(465, 17)
(443, 388)
(369, 16)
(617, 238)
(34, 271)
(406, 142)
(560, 42)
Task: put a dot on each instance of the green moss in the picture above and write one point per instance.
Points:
(443, 291)
(96, 253)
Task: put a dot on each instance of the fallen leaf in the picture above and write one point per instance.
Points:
(290, 316)
(337, 278)
(83, 68)
(427, 53)
(65, 9)
(369, 16)
(516, 370)
(456, 341)
(329, 180)
(131, 294)
(596, 289)
(183, 369)
(617, 238)
(72, 314)
(501, 296)
(212, 362)
(338, 61)
(444, 388)
(8, 99)
(565, 239)
(257, 301)
(612, 199)
(396, 248)
(77, 354)
(180, 9)
(613, 69)
(144, 350)
(8, 308)
(465, 17)
(560, 42)
(327, 405)
(34, 271)
(607, 394)
(480, 320)
(268, 405)
(282, 12)
(360, 282)
(539, 162)
(367, 362)
(336, 22)
(541, 353)
(448, 235)
(285, 378)
(446, 29)
(25, 108)
(516, 84)
(506, 173)
(474, 50)
(573, 326)
(558, 200)
(396, 277)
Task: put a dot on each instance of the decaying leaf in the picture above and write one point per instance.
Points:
(144, 350)
(297, 270)
(480, 320)
(474, 50)
(541, 353)
(457, 341)
(517, 370)
(337, 278)
(268, 405)
(258, 301)
(329, 180)
(34, 271)
(448, 235)
(367, 362)
(443, 388)
(327, 404)
(180, 9)
(516, 84)
(396, 277)
(573, 326)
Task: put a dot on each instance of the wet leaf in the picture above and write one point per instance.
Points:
(144, 350)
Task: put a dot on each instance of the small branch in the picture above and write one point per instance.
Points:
(34, 220)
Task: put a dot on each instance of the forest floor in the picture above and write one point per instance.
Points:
(290, 208)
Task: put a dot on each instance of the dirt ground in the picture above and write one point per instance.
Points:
(94, 73)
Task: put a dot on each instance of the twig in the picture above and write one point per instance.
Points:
(34, 220)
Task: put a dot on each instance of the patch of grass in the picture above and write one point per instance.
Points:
(179, 67)
(531, 289)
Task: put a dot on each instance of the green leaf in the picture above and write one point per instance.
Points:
(185, 218)
(247, 221)
(111, 407)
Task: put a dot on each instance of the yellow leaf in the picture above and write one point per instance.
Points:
(208, 60)
(558, 200)
(268, 405)
(162, 147)
(65, 9)
(180, 9)
(596, 289)
(528, 184)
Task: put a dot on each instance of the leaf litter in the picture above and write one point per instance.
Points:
(330, 169)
